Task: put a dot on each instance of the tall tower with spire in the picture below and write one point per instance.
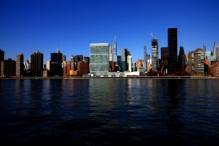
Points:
(56, 63)
(114, 50)
(58, 49)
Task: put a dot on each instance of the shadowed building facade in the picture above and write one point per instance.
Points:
(126, 60)
(2, 54)
(8, 67)
(181, 60)
(56, 64)
(164, 60)
(172, 48)
(36, 64)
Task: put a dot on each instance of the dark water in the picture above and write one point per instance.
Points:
(110, 111)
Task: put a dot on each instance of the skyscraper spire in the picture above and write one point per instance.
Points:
(58, 49)
(114, 50)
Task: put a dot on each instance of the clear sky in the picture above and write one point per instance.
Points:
(27, 26)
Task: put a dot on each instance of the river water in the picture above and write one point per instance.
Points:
(109, 111)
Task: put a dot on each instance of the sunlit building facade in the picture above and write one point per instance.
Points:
(196, 62)
(20, 65)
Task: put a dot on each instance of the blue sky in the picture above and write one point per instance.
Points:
(28, 26)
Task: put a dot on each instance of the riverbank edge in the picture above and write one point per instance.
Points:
(140, 77)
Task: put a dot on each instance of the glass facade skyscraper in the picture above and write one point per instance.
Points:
(172, 47)
(209, 56)
(155, 60)
(126, 61)
(99, 58)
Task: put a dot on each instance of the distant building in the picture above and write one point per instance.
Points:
(27, 68)
(8, 68)
(20, 65)
(36, 64)
(172, 49)
(181, 60)
(214, 69)
(154, 47)
(2, 54)
(99, 58)
(209, 56)
(119, 62)
(87, 60)
(126, 62)
(124, 55)
(145, 58)
(114, 50)
(48, 65)
(110, 54)
(207, 66)
(63, 58)
(204, 48)
(129, 62)
(83, 68)
(68, 68)
(164, 60)
(56, 64)
(148, 62)
(196, 62)
(72, 58)
(77, 58)
(215, 51)
(139, 63)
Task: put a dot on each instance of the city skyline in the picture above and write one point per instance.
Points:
(31, 26)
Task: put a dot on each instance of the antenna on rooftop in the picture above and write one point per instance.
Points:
(152, 35)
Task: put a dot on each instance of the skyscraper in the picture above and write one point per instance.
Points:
(114, 50)
(77, 58)
(99, 58)
(36, 63)
(56, 64)
(215, 51)
(20, 65)
(8, 67)
(181, 60)
(124, 65)
(164, 60)
(145, 58)
(172, 46)
(110, 54)
(204, 48)
(2, 53)
(154, 46)
(129, 61)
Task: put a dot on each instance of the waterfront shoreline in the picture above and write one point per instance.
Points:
(140, 77)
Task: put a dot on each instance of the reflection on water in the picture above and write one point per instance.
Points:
(110, 111)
